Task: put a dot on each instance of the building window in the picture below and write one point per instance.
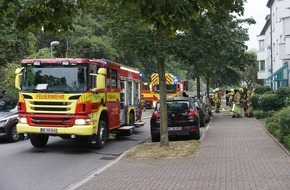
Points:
(262, 65)
(261, 45)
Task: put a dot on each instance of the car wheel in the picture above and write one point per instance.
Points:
(202, 121)
(38, 140)
(13, 135)
(155, 138)
(101, 137)
(196, 135)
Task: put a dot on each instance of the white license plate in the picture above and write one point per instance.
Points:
(174, 128)
(48, 130)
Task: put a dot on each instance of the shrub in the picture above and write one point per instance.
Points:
(284, 122)
(272, 127)
(254, 102)
(283, 92)
(269, 102)
(287, 101)
(287, 142)
(259, 114)
(263, 89)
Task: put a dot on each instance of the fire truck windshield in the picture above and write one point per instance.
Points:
(170, 88)
(54, 78)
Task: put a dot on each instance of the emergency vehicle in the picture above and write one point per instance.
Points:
(77, 98)
(173, 88)
(148, 95)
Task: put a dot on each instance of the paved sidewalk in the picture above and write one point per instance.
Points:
(235, 154)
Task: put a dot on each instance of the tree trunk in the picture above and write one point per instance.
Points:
(207, 86)
(198, 87)
(164, 140)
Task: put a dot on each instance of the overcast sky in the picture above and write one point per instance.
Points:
(258, 10)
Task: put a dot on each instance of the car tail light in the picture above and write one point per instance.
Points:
(155, 115)
(191, 114)
(193, 129)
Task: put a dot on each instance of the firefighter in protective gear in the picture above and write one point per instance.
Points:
(246, 100)
(237, 101)
(217, 100)
(231, 97)
(213, 92)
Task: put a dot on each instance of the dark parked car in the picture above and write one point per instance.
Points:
(182, 118)
(204, 115)
(8, 120)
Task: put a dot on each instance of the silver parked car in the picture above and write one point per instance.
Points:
(8, 120)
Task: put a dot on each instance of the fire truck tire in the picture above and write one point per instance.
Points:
(38, 140)
(131, 123)
(101, 137)
(131, 119)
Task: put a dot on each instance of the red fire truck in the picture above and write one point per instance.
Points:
(77, 98)
(173, 88)
(148, 95)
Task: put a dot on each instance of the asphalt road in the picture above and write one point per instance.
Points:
(62, 163)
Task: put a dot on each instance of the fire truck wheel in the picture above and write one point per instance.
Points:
(101, 137)
(38, 140)
(131, 119)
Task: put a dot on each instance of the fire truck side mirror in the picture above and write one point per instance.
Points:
(101, 79)
(18, 78)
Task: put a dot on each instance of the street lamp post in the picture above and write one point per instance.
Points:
(53, 43)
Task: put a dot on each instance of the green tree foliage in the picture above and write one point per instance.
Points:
(213, 47)
(7, 76)
(13, 44)
(49, 15)
(249, 75)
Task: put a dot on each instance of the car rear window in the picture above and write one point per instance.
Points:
(176, 105)
(180, 105)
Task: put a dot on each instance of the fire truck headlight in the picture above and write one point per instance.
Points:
(22, 120)
(82, 121)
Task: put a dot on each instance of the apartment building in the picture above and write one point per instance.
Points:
(274, 45)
